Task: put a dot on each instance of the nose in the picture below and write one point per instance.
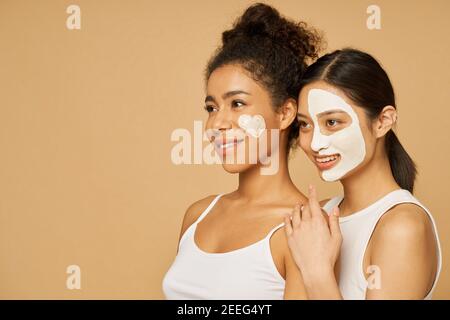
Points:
(319, 140)
(218, 123)
(222, 120)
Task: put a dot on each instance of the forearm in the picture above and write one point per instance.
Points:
(322, 286)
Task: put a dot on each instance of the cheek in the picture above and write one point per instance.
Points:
(370, 143)
(209, 131)
(370, 140)
(305, 141)
(271, 122)
(208, 123)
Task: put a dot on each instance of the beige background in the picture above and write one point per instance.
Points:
(86, 116)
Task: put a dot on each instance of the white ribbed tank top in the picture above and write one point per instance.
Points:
(246, 273)
(357, 230)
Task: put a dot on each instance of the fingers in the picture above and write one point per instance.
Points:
(335, 229)
(305, 212)
(288, 226)
(313, 202)
(296, 218)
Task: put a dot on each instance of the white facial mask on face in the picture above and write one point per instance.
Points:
(253, 125)
(348, 142)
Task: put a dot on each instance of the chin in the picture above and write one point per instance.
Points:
(236, 168)
(342, 177)
(330, 180)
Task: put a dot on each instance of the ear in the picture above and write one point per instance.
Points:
(386, 121)
(287, 113)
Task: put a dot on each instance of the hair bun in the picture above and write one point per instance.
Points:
(261, 20)
(258, 20)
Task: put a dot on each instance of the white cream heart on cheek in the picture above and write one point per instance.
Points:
(253, 125)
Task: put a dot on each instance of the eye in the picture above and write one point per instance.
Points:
(210, 108)
(304, 125)
(332, 122)
(237, 103)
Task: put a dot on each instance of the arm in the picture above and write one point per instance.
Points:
(315, 240)
(403, 249)
(295, 287)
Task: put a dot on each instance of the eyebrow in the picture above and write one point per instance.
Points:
(325, 113)
(226, 95)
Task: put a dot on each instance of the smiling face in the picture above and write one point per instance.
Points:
(239, 110)
(334, 133)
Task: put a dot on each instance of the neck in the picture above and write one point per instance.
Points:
(368, 185)
(253, 186)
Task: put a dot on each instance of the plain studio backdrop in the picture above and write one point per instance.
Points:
(86, 116)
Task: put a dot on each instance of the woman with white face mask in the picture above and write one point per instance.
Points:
(233, 246)
(378, 241)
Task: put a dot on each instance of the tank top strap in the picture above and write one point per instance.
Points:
(271, 232)
(333, 202)
(391, 200)
(208, 209)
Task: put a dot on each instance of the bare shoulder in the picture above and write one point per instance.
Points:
(404, 220)
(280, 247)
(194, 211)
(404, 225)
(279, 241)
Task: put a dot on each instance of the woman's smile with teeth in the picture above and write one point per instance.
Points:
(327, 159)
(327, 162)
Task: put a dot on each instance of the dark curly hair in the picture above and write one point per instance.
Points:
(273, 49)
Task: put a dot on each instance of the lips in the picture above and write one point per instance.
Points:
(224, 146)
(327, 162)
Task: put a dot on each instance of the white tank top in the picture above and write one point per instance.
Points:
(246, 273)
(357, 230)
